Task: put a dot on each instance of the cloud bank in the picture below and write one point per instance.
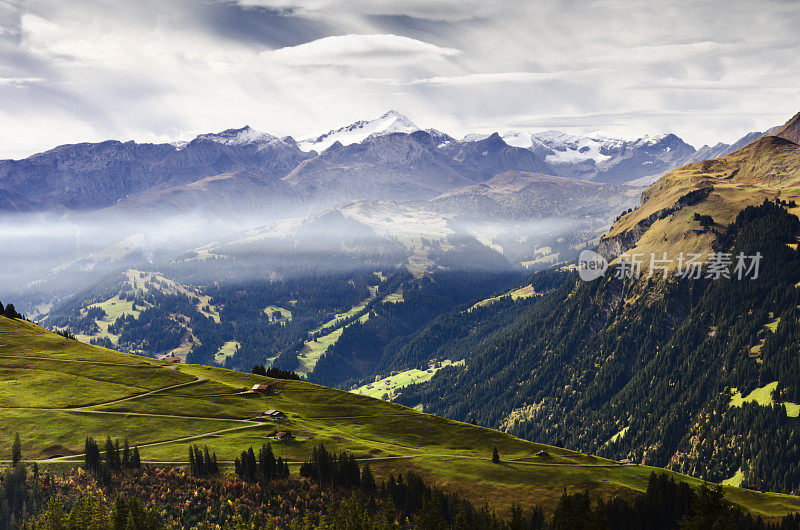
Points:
(166, 70)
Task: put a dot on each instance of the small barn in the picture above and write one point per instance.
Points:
(262, 388)
(282, 436)
(626, 462)
(543, 453)
(275, 414)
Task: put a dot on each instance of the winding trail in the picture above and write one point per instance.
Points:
(66, 459)
(248, 424)
(87, 409)
(199, 379)
(56, 359)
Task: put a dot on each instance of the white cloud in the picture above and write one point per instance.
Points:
(435, 10)
(497, 77)
(152, 70)
(19, 81)
(360, 50)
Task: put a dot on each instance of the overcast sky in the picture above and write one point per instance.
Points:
(160, 70)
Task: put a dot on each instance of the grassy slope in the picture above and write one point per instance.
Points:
(526, 291)
(35, 395)
(391, 384)
(767, 168)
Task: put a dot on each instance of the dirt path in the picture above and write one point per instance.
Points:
(370, 459)
(72, 458)
(86, 410)
(249, 423)
(199, 379)
(105, 363)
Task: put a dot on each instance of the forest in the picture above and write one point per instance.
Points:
(653, 363)
(331, 492)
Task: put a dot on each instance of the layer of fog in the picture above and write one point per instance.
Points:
(46, 257)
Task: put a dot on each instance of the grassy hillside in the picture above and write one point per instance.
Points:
(767, 168)
(55, 391)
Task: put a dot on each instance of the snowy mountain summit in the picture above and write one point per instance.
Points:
(388, 123)
(567, 148)
(244, 136)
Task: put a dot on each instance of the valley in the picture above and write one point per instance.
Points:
(399, 265)
(706, 365)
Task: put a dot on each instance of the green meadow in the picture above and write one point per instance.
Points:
(55, 392)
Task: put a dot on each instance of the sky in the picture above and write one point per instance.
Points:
(166, 70)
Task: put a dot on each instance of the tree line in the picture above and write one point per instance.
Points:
(10, 311)
(116, 459)
(263, 469)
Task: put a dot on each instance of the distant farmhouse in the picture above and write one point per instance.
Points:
(283, 436)
(263, 389)
(275, 414)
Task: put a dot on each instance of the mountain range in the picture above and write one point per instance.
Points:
(410, 274)
(698, 375)
(388, 158)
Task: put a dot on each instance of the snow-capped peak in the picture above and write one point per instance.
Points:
(388, 123)
(651, 140)
(244, 136)
(567, 149)
(517, 139)
(512, 138)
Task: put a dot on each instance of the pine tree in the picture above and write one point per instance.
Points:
(119, 513)
(126, 455)
(367, 480)
(136, 463)
(266, 462)
(16, 449)
(495, 456)
(91, 455)
(117, 459)
(109, 453)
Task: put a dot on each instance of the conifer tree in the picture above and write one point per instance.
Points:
(126, 455)
(367, 480)
(109, 453)
(117, 460)
(16, 450)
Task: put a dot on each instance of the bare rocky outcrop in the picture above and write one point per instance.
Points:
(611, 247)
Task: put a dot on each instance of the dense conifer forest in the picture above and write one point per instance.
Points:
(647, 370)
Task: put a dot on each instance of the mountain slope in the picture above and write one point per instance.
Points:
(524, 195)
(92, 176)
(790, 130)
(482, 159)
(164, 408)
(394, 166)
(649, 369)
(766, 168)
(604, 158)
